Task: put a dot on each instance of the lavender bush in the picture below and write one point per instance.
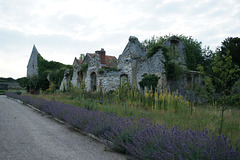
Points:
(140, 139)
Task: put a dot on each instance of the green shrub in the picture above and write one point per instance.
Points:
(149, 81)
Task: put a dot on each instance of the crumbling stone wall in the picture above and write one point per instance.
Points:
(75, 77)
(133, 65)
(93, 67)
(152, 65)
(65, 84)
(129, 59)
(109, 81)
(176, 44)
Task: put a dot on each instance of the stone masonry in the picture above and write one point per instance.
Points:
(109, 73)
(132, 65)
(32, 67)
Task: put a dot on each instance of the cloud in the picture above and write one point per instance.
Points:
(62, 29)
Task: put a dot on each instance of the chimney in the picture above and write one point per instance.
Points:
(102, 56)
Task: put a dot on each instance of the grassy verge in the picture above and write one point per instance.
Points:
(2, 92)
(139, 139)
(203, 116)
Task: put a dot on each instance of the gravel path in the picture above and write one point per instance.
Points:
(28, 135)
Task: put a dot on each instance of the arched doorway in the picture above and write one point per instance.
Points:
(123, 79)
(80, 75)
(93, 81)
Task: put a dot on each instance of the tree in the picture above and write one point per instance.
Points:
(33, 84)
(55, 70)
(82, 56)
(218, 87)
(23, 82)
(233, 46)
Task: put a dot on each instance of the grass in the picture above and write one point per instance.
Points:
(203, 116)
(176, 114)
(2, 92)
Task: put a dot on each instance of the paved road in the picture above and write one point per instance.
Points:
(28, 135)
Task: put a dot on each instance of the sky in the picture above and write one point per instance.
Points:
(63, 29)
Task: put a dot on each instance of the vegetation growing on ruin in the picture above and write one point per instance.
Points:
(84, 67)
(110, 69)
(154, 49)
(107, 69)
(195, 54)
(149, 81)
(55, 70)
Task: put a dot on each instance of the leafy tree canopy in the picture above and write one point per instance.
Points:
(7, 79)
(218, 86)
(233, 46)
(55, 70)
(193, 50)
(23, 82)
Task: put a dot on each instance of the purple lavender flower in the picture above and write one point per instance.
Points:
(140, 139)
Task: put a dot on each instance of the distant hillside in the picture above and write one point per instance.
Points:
(11, 80)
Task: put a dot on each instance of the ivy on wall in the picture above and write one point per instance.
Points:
(149, 81)
(55, 70)
(173, 69)
(84, 67)
(193, 50)
(154, 49)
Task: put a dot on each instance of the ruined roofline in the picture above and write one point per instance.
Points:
(109, 61)
(78, 60)
(34, 51)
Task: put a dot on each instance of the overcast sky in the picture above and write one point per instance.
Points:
(63, 29)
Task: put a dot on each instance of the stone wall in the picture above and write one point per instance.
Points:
(133, 65)
(177, 45)
(75, 77)
(65, 84)
(93, 67)
(128, 61)
(152, 65)
(109, 81)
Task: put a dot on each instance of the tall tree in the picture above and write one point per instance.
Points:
(233, 46)
(218, 87)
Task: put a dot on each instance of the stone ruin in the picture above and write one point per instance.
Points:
(65, 84)
(109, 73)
(98, 70)
(32, 67)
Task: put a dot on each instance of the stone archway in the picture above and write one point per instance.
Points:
(93, 81)
(80, 76)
